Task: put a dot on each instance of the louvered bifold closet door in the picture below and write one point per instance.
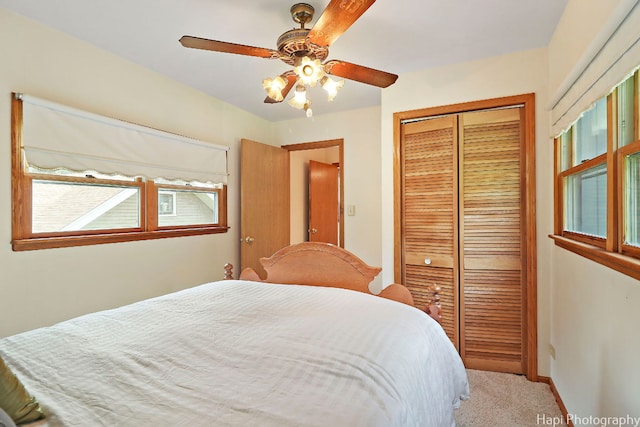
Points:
(491, 280)
(430, 236)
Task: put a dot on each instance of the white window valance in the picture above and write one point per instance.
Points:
(57, 136)
(613, 55)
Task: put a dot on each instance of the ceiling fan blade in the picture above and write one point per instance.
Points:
(218, 46)
(336, 19)
(291, 81)
(359, 73)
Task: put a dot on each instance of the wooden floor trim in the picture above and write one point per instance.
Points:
(554, 390)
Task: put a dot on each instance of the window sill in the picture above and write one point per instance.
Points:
(97, 239)
(622, 263)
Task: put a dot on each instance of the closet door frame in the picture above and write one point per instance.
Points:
(527, 101)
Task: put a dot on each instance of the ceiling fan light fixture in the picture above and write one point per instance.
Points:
(299, 99)
(309, 70)
(306, 50)
(274, 88)
(331, 86)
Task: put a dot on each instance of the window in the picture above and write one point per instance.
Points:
(597, 182)
(584, 178)
(75, 186)
(632, 200)
(186, 204)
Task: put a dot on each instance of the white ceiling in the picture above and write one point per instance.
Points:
(398, 36)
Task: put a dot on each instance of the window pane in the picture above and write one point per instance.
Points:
(64, 206)
(626, 104)
(187, 207)
(586, 202)
(632, 200)
(565, 150)
(591, 133)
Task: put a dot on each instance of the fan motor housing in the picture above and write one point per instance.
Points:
(293, 44)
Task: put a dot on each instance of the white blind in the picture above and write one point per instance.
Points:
(614, 54)
(56, 136)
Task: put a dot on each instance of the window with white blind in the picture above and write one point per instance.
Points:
(584, 178)
(597, 181)
(595, 116)
(81, 179)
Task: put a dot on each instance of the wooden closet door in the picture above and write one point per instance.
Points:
(429, 214)
(492, 282)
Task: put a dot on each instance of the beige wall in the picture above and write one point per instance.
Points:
(42, 287)
(577, 30)
(594, 313)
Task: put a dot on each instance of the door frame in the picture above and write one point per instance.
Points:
(530, 317)
(328, 144)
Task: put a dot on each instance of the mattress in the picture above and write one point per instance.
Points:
(239, 353)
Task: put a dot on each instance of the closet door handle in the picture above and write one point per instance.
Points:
(427, 261)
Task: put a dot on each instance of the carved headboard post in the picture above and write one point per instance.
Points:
(228, 271)
(433, 306)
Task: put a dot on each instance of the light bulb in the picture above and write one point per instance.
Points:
(274, 88)
(331, 86)
(299, 99)
(309, 70)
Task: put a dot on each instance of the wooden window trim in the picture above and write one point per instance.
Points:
(70, 241)
(622, 263)
(588, 164)
(557, 189)
(612, 242)
(22, 238)
(595, 241)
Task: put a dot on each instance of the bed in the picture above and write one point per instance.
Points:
(309, 345)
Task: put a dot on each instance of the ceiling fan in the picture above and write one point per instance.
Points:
(306, 49)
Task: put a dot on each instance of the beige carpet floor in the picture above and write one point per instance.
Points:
(499, 400)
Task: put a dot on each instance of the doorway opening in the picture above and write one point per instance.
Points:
(328, 152)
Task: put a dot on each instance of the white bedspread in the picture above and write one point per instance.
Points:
(235, 353)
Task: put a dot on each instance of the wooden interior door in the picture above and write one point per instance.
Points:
(492, 282)
(264, 202)
(430, 214)
(324, 212)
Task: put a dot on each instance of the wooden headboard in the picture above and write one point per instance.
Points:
(323, 264)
